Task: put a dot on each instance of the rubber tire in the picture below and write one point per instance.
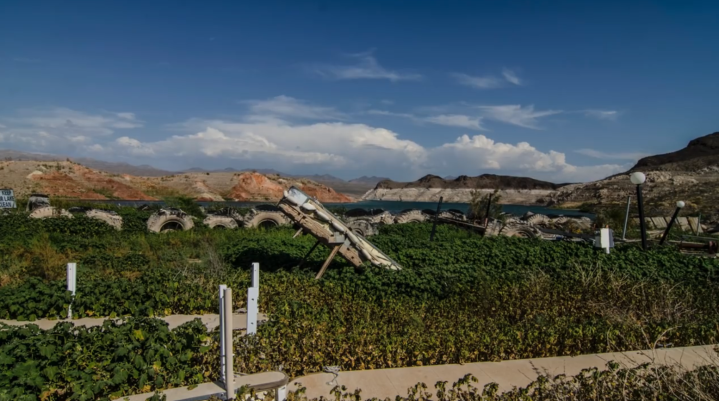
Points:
(112, 219)
(519, 231)
(159, 220)
(411, 216)
(256, 218)
(49, 212)
(538, 219)
(362, 227)
(214, 221)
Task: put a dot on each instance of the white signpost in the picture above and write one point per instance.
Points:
(253, 293)
(71, 284)
(7, 199)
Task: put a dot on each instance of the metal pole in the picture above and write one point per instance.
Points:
(642, 223)
(436, 216)
(71, 285)
(486, 214)
(669, 226)
(253, 293)
(229, 375)
(626, 218)
(699, 224)
(223, 287)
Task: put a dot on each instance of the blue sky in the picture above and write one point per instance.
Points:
(556, 90)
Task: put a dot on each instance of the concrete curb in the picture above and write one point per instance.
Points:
(211, 321)
(383, 383)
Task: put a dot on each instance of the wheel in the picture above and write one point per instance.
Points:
(519, 231)
(49, 211)
(169, 220)
(111, 218)
(265, 219)
(220, 222)
(410, 216)
(538, 219)
(362, 227)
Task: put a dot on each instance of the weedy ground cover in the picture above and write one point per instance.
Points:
(462, 298)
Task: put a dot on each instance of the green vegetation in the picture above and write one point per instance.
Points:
(478, 205)
(80, 363)
(510, 298)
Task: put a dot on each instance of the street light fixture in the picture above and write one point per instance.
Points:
(638, 179)
(680, 205)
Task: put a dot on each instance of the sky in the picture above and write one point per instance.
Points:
(563, 91)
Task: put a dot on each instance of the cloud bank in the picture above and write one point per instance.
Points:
(297, 136)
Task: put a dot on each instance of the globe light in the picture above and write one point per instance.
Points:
(638, 178)
(681, 204)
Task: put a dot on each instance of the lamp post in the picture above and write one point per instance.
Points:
(638, 179)
(680, 205)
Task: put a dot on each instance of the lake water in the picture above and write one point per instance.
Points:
(391, 206)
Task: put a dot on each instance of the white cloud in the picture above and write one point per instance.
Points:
(134, 147)
(287, 107)
(511, 76)
(457, 120)
(288, 140)
(126, 116)
(95, 148)
(322, 145)
(611, 115)
(618, 156)
(367, 67)
(450, 120)
(525, 117)
(486, 82)
(481, 153)
(61, 128)
(387, 101)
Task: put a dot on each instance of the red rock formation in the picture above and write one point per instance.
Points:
(324, 194)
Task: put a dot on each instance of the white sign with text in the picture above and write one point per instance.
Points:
(7, 199)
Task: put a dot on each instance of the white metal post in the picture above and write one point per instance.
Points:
(256, 275)
(223, 287)
(229, 375)
(281, 393)
(253, 294)
(626, 218)
(71, 285)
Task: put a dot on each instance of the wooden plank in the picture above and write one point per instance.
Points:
(322, 233)
(328, 261)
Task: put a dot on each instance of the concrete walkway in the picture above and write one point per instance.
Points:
(211, 321)
(382, 383)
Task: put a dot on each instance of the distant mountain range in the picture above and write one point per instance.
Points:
(355, 187)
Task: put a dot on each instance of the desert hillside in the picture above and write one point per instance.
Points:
(73, 180)
(690, 174)
(516, 190)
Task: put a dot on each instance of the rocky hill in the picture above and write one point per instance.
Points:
(690, 174)
(516, 190)
(73, 180)
(700, 153)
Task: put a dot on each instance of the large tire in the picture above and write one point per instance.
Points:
(169, 220)
(37, 201)
(538, 219)
(410, 216)
(49, 212)
(220, 222)
(450, 214)
(520, 231)
(265, 219)
(362, 227)
(111, 218)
